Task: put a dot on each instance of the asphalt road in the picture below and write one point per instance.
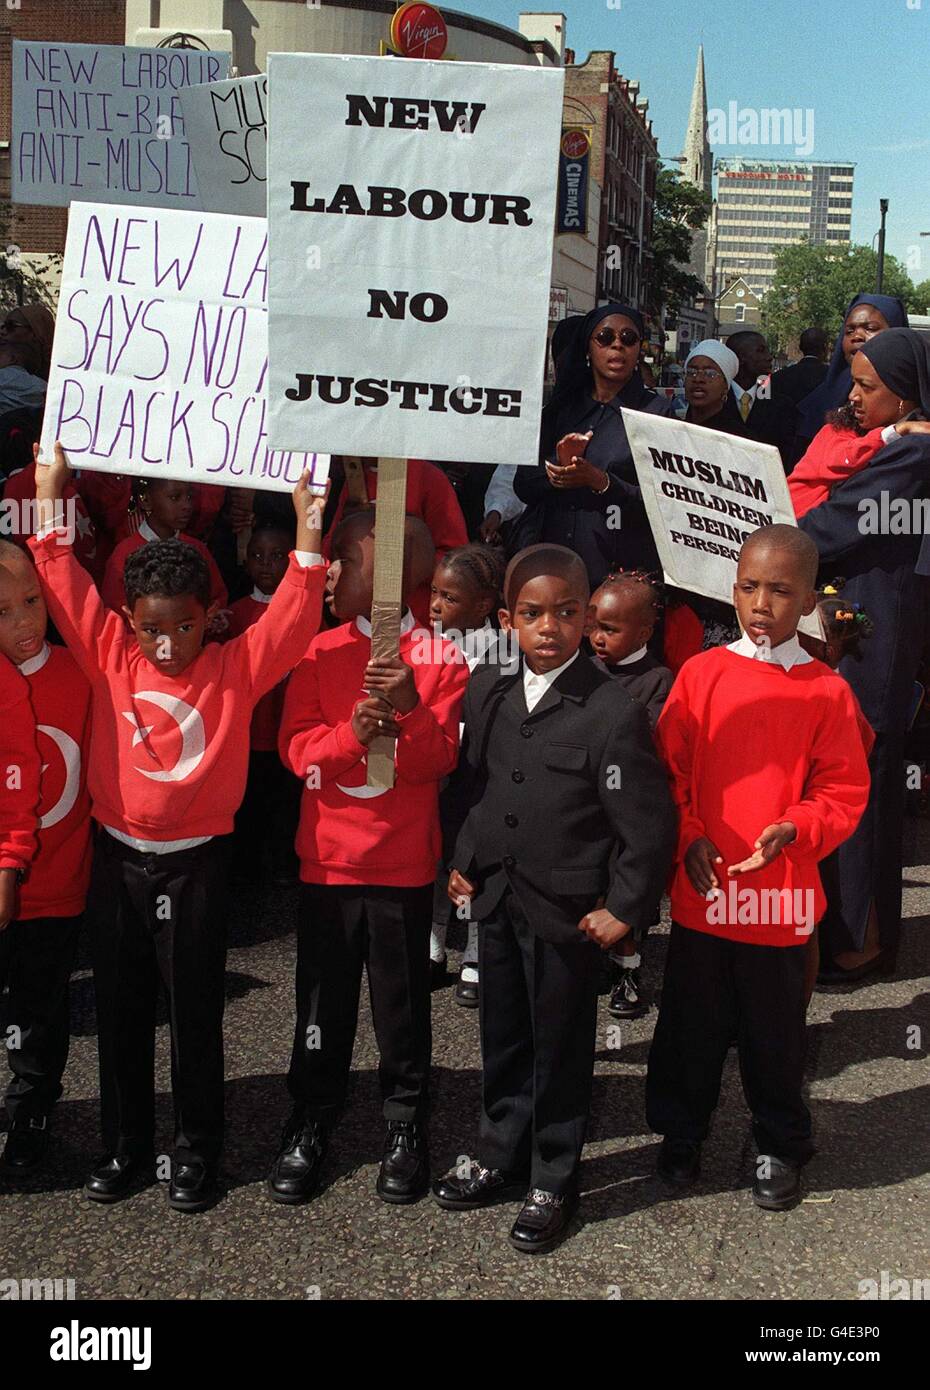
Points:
(866, 1208)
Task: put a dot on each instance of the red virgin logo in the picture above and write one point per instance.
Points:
(419, 31)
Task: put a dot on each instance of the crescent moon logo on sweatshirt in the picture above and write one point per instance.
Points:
(60, 754)
(178, 742)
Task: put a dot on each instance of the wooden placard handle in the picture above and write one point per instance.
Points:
(387, 600)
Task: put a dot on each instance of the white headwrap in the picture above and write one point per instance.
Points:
(725, 358)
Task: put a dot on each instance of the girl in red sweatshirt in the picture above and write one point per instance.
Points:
(167, 769)
(37, 948)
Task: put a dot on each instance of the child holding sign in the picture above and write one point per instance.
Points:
(169, 754)
(769, 776)
(368, 859)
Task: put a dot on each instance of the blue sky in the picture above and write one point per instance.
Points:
(861, 66)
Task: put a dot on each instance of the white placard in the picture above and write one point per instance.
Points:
(160, 353)
(102, 123)
(226, 127)
(704, 492)
(399, 328)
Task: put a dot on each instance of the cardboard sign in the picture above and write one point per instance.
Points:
(97, 122)
(704, 492)
(411, 250)
(160, 353)
(227, 131)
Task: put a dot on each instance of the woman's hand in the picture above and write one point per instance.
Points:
(912, 427)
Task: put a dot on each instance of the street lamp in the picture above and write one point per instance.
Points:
(883, 208)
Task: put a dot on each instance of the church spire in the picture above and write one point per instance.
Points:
(697, 162)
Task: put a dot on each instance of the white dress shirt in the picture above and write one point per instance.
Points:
(536, 684)
(500, 496)
(633, 656)
(787, 654)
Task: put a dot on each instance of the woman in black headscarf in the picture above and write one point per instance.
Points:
(865, 317)
(584, 492)
(886, 573)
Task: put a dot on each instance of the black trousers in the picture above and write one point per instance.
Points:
(160, 919)
(340, 930)
(715, 990)
(538, 1018)
(266, 822)
(36, 960)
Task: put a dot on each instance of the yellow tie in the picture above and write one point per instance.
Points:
(745, 405)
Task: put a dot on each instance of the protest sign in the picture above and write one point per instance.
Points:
(411, 251)
(704, 492)
(103, 123)
(160, 352)
(225, 125)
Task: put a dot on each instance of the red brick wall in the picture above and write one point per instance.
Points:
(65, 21)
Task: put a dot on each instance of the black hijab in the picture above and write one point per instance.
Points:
(574, 382)
(833, 391)
(901, 357)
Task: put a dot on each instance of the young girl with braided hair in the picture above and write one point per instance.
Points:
(464, 593)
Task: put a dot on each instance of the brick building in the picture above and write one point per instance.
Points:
(624, 158)
(42, 229)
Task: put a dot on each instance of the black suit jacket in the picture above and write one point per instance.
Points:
(798, 380)
(772, 421)
(568, 803)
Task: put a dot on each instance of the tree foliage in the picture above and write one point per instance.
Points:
(814, 284)
(680, 211)
(21, 280)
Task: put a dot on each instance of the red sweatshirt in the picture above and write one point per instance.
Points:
(56, 885)
(431, 497)
(747, 744)
(348, 834)
(169, 754)
(114, 594)
(266, 717)
(20, 488)
(832, 456)
(19, 770)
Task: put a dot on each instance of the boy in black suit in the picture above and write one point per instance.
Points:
(564, 851)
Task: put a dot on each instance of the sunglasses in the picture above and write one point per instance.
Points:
(702, 373)
(607, 336)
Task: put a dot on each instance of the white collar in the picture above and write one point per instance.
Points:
(407, 623)
(259, 597)
(633, 656)
(786, 654)
(146, 532)
(35, 663)
(740, 391)
(537, 683)
(474, 643)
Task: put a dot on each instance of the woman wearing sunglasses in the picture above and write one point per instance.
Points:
(31, 328)
(584, 493)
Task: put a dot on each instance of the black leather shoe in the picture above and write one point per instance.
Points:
(26, 1144)
(679, 1162)
(295, 1174)
(117, 1175)
(193, 1185)
(477, 1187)
(626, 999)
(404, 1175)
(777, 1184)
(543, 1221)
(466, 993)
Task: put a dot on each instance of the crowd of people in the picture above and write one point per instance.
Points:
(190, 698)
